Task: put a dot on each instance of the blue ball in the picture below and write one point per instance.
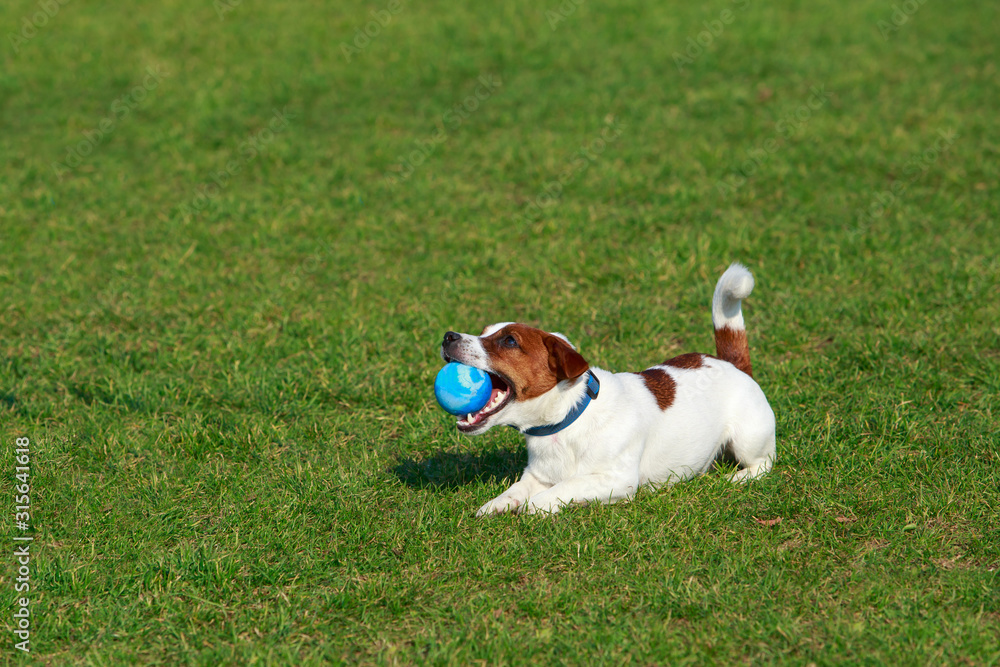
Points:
(461, 389)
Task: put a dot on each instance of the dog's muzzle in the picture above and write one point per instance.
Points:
(448, 344)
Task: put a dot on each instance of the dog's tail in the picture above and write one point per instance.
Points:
(727, 316)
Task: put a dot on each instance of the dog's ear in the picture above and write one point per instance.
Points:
(565, 362)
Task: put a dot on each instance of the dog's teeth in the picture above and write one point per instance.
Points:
(497, 400)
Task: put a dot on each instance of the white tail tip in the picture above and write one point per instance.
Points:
(735, 285)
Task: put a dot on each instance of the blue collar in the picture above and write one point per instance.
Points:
(593, 388)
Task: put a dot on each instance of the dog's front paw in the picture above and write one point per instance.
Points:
(543, 507)
(500, 505)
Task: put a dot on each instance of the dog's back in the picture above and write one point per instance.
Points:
(704, 399)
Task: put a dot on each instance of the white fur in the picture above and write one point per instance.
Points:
(623, 440)
(734, 286)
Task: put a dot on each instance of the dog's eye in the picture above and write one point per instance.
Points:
(508, 342)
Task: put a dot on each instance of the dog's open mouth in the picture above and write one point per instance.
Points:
(502, 393)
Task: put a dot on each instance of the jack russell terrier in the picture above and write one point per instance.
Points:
(593, 435)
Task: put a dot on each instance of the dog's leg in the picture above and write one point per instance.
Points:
(583, 489)
(755, 454)
(752, 471)
(514, 498)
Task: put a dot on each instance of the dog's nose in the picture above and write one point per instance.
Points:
(451, 337)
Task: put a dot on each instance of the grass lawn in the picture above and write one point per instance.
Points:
(233, 232)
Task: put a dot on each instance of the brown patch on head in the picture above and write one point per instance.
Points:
(661, 386)
(731, 345)
(535, 361)
(689, 360)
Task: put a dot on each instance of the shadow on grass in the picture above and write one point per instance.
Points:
(448, 470)
(11, 402)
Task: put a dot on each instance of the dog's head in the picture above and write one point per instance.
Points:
(525, 365)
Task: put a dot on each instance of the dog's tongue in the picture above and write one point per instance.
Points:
(493, 396)
(478, 415)
(473, 418)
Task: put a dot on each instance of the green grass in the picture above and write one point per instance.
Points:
(236, 455)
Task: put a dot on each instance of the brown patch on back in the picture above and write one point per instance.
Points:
(731, 345)
(660, 385)
(538, 363)
(689, 360)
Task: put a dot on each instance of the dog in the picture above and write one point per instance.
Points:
(597, 436)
